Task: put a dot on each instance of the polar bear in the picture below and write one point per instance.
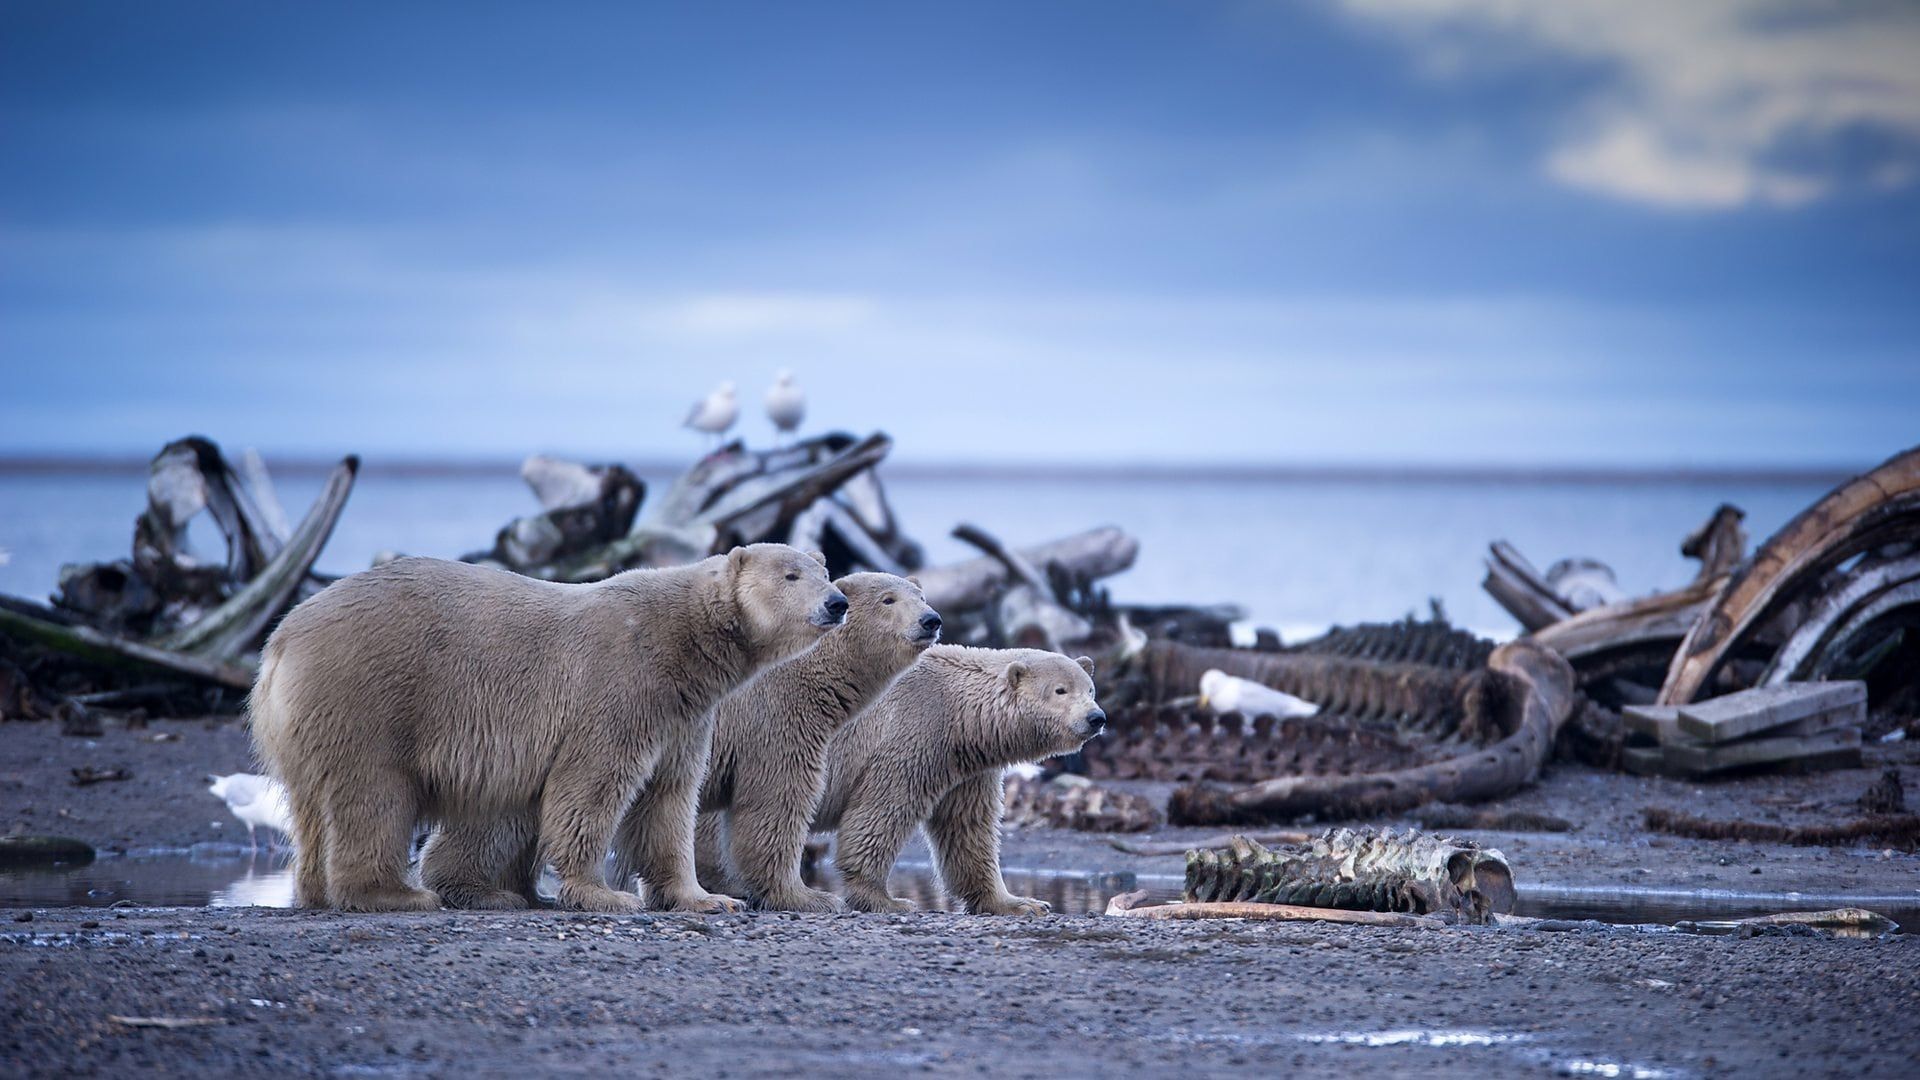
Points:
(931, 752)
(770, 742)
(505, 709)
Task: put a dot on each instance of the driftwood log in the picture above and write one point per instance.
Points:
(173, 612)
(1127, 905)
(976, 583)
(1529, 696)
(1521, 589)
(732, 496)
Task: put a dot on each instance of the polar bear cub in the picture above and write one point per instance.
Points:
(930, 752)
(770, 742)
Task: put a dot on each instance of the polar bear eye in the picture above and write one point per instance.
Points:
(888, 600)
(791, 576)
(1059, 689)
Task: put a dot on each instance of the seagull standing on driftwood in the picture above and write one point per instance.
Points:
(786, 406)
(256, 800)
(715, 413)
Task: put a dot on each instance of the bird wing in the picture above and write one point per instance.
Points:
(242, 790)
(693, 414)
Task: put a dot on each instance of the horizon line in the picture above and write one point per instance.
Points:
(1354, 472)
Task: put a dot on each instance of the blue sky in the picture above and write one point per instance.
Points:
(1329, 231)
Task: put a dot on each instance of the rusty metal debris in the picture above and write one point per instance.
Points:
(1366, 870)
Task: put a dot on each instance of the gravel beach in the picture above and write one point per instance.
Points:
(258, 990)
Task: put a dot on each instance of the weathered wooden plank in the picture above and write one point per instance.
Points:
(1649, 761)
(1659, 721)
(1762, 708)
(1702, 760)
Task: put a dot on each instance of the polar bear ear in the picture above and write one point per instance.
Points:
(737, 559)
(915, 582)
(819, 557)
(1086, 664)
(1015, 672)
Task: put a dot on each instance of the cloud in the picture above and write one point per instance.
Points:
(1705, 104)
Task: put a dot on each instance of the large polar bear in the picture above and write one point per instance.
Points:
(770, 743)
(932, 750)
(504, 709)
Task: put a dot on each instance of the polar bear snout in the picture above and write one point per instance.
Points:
(831, 611)
(929, 627)
(1096, 721)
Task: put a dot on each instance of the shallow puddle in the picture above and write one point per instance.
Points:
(216, 876)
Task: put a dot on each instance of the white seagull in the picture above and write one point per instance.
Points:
(715, 413)
(256, 800)
(1224, 693)
(786, 405)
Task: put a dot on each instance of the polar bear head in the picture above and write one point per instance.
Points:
(1052, 699)
(783, 601)
(890, 618)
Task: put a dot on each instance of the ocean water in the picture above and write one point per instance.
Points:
(1299, 554)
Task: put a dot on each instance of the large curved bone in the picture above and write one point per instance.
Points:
(227, 630)
(1648, 620)
(1864, 512)
(1871, 592)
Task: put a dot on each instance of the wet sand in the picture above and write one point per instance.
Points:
(317, 993)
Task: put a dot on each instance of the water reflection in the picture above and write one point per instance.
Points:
(223, 876)
(223, 879)
(199, 878)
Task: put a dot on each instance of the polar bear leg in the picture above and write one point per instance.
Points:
(766, 832)
(584, 796)
(964, 832)
(655, 837)
(370, 831)
(871, 833)
(465, 860)
(309, 851)
(710, 851)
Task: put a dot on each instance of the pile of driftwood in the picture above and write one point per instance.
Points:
(174, 628)
(825, 494)
(171, 625)
(1833, 595)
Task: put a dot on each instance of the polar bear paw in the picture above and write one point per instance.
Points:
(878, 902)
(708, 904)
(600, 899)
(1013, 905)
(809, 901)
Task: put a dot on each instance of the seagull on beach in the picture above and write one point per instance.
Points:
(256, 800)
(715, 413)
(786, 405)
